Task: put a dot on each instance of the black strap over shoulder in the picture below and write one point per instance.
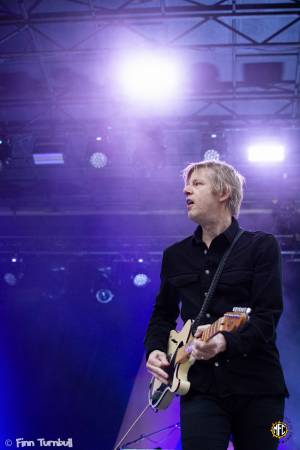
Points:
(214, 283)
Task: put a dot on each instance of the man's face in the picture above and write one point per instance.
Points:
(200, 201)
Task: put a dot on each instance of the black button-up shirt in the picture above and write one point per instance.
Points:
(251, 278)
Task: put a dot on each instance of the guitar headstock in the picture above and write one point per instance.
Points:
(231, 321)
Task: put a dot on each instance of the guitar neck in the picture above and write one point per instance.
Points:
(231, 321)
(212, 330)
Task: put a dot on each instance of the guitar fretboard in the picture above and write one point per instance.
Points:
(212, 330)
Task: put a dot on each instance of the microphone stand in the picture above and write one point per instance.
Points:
(147, 435)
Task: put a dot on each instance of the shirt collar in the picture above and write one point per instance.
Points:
(229, 233)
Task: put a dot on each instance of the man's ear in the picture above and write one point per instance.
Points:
(225, 194)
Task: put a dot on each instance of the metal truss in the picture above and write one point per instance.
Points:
(117, 250)
(281, 98)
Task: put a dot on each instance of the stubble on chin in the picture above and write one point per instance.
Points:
(192, 217)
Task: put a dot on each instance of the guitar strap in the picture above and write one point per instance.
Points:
(214, 283)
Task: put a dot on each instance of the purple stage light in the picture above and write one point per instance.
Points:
(98, 160)
(10, 279)
(104, 295)
(266, 152)
(149, 77)
(211, 155)
(40, 159)
(141, 279)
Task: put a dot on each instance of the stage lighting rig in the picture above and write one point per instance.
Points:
(213, 146)
(211, 155)
(267, 151)
(48, 151)
(149, 76)
(13, 272)
(101, 288)
(141, 280)
(96, 152)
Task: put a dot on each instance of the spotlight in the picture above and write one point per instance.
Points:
(149, 76)
(10, 279)
(13, 277)
(214, 146)
(5, 151)
(211, 155)
(98, 160)
(95, 152)
(14, 271)
(101, 285)
(266, 151)
(104, 295)
(141, 280)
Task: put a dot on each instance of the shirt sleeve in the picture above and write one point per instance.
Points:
(267, 303)
(164, 314)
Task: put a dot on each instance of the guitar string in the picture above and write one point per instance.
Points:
(117, 447)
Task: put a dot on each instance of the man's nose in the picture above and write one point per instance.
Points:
(187, 190)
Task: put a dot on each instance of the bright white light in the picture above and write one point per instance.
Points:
(266, 152)
(48, 158)
(98, 160)
(141, 280)
(149, 77)
(211, 155)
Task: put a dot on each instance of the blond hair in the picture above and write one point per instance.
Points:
(225, 178)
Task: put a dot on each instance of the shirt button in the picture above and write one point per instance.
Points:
(207, 315)
(245, 354)
(216, 364)
(207, 272)
(228, 360)
(205, 252)
(205, 294)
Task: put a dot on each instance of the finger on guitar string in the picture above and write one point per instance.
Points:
(200, 330)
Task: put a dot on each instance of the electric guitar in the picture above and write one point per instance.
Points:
(180, 359)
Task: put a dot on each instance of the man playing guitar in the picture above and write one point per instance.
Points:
(237, 386)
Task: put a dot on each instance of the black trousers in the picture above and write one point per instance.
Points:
(207, 421)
